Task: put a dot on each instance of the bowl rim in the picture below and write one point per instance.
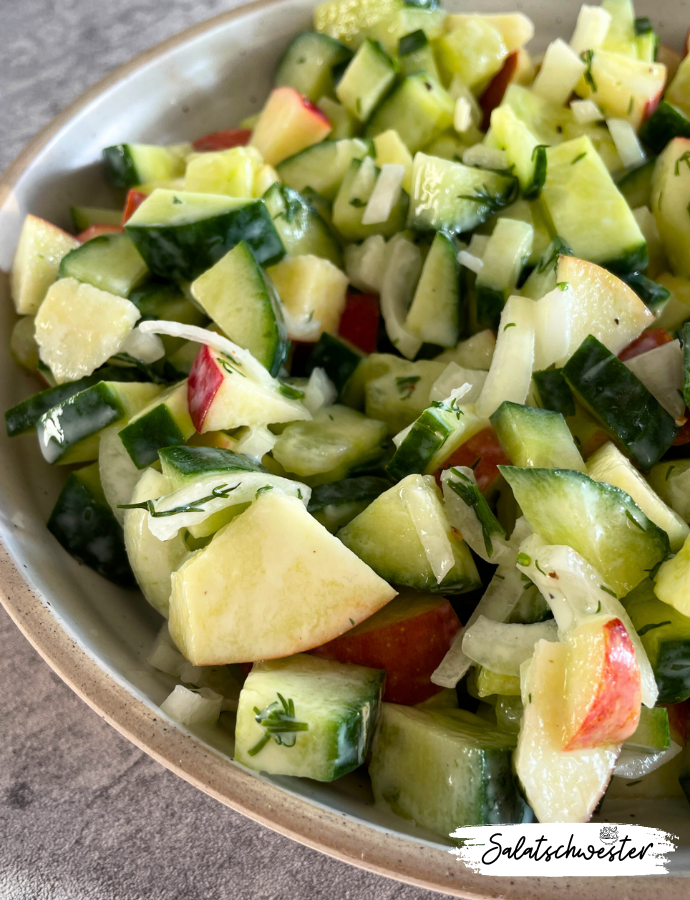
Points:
(335, 834)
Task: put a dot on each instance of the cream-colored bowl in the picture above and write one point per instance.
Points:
(98, 637)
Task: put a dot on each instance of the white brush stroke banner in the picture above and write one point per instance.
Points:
(564, 851)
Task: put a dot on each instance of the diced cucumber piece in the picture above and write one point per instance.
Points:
(654, 295)
(338, 359)
(321, 167)
(308, 717)
(390, 149)
(128, 165)
(525, 153)
(110, 262)
(665, 635)
(588, 211)
(507, 251)
(85, 526)
(619, 400)
(335, 442)
(491, 683)
(343, 123)
(419, 109)
(410, 19)
(69, 432)
(609, 465)
(221, 612)
(84, 217)
(185, 465)
(336, 503)
(230, 172)
(351, 201)
(652, 733)
(396, 391)
(671, 581)
(536, 437)
(308, 62)
(348, 20)
(665, 123)
(301, 228)
(118, 474)
(670, 197)
(182, 234)
(599, 521)
(23, 346)
(453, 196)
(445, 769)
(387, 538)
(434, 316)
(554, 392)
(23, 417)
(636, 184)
(474, 353)
(165, 423)
(40, 250)
(152, 561)
(415, 54)
(242, 302)
(165, 300)
(433, 438)
(474, 52)
(79, 327)
(366, 79)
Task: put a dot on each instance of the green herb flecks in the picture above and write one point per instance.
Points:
(579, 157)
(406, 385)
(588, 57)
(634, 520)
(225, 363)
(222, 492)
(262, 490)
(523, 559)
(509, 325)
(292, 393)
(668, 472)
(471, 496)
(563, 285)
(643, 25)
(652, 625)
(683, 158)
(451, 407)
(357, 203)
(608, 590)
(491, 203)
(279, 722)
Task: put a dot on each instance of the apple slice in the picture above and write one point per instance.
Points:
(602, 700)
(288, 123)
(408, 638)
(560, 786)
(272, 583)
(484, 454)
(624, 88)
(37, 261)
(221, 396)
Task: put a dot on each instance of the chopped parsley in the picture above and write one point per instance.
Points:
(406, 385)
(588, 57)
(279, 722)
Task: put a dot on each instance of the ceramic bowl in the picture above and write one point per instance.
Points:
(98, 637)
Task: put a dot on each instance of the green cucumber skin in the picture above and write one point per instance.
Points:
(686, 363)
(665, 123)
(91, 264)
(336, 358)
(301, 228)
(635, 184)
(120, 169)
(619, 400)
(554, 392)
(333, 53)
(187, 250)
(667, 645)
(653, 295)
(347, 490)
(427, 436)
(490, 303)
(86, 527)
(144, 437)
(84, 217)
(23, 417)
(635, 260)
(76, 418)
(190, 463)
(539, 177)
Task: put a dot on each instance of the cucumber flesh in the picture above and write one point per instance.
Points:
(110, 262)
(419, 109)
(185, 465)
(536, 437)
(322, 166)
(507, 251)
(669, 201)
(337, 358)
(308, 62)
(366, 79)
(302, 230)
(525, 153)
(553, 392)
(165, 423)
(336, 503)
(84, 217)
(129, 165)
(350, 204)
(434, 316)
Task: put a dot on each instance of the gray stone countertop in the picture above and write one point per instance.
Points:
(84, 814)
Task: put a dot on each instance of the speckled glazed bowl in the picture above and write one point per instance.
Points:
(98, 637)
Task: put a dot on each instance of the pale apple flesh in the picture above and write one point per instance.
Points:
(288, 123)
(603, 687)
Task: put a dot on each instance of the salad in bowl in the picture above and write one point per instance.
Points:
(380, 398)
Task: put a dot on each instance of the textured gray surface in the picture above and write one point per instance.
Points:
(85, 815)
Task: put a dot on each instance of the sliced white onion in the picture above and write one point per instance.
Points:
(473, 263)
(245, 486)
(430, 528)
(477, 246)
(510, 374)
(365, 263)
(661, 371)
(635, 763)
(574, 590)
(164, 654)
(585, 112)
(320, 391)
(592, 27)
(465, 520)
(462, 115)
(552, 327)
(485, 157)
(218, 342)
(503, 648)
(459, 90)
(628, 146)
(256, 442)
(147, 348)
(397, 290)
(301, 328)
(454, 377)
(500, 598)
(385, 194)
(191, 708)
(560, 71)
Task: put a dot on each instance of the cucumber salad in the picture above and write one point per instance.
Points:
(381, 399)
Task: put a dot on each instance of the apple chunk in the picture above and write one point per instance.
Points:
(271, 583)
(220, 396)
(408, 638)
(560, 786)
(288, 123)
(602, 699)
